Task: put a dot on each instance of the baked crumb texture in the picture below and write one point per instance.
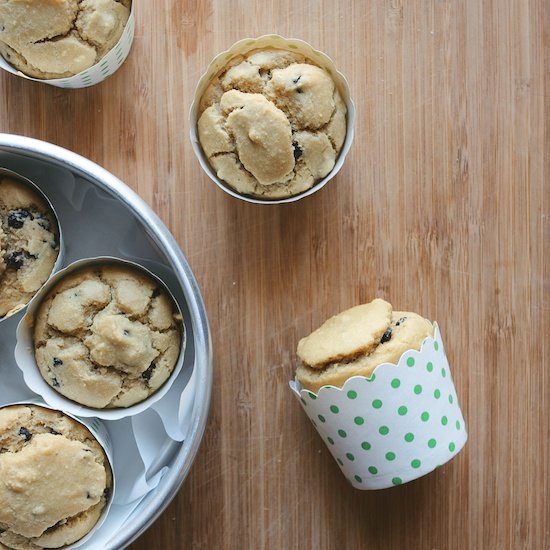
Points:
(272, 124)
(29, 244)
(50, 39)
(356, 341)
(55, 479)
(107, 336)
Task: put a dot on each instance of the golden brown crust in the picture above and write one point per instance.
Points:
(356, 341)
(107, 336)
(55, 478)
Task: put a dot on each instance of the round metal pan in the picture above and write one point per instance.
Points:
(33, 158)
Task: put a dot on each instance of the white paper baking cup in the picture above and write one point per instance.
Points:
(103, 69)
(25, 358)
(394, 427)
(100, 433)
(4, 172)
(242, 47)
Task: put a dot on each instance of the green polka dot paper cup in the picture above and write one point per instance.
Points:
(399, 424)
(97, 73)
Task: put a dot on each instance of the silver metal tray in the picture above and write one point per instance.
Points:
(100, 215)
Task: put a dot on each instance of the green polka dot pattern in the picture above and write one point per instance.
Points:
(394, 427)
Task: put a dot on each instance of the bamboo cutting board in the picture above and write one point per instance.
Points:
(442, 207)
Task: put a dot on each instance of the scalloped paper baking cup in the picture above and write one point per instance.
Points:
(25, 359)
(97, 73)
(242, 47)
(100, 433)
(399, 424)
(61, 253)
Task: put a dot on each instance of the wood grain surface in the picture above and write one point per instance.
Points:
(442, 207)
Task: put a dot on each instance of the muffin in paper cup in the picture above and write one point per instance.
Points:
(398, 424)
(49, 423)
(123, 353)
(316, 152)
(29, 232)
(105, 67)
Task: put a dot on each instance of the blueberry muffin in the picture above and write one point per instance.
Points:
(272, 123)
(29, 244)
(55, 479)
(356, 341)
(107, 336)
(60, 38)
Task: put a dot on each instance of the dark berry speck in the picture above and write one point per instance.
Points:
(25, 433)
(146, 375)
(386, 336)
(57, 362)
(16, 218)
(297, 151)
(15, 260)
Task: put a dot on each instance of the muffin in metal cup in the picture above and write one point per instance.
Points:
(31, 244)
(376, 385)
(272, 120)
(57, 481)
(66, 43)
(104, 338)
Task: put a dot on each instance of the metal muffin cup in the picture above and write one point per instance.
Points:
(25, 353)
(4, 172)
(242, 47)
(101, 435)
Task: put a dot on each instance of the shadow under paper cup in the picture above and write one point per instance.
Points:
(399, 424)
(97, 73)
(25, 351)
(242, 47)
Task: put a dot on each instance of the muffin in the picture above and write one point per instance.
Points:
(376, 384)
(356, 341)
(271, 123)
(107, 336)
(56, 39)
(55, 478)
(29, 244)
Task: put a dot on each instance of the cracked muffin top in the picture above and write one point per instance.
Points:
(107, 336)
(59, 38)
(29, 244)
(272, 123)
(55, 479)
(356, 341)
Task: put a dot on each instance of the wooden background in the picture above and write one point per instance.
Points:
(442, 207)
